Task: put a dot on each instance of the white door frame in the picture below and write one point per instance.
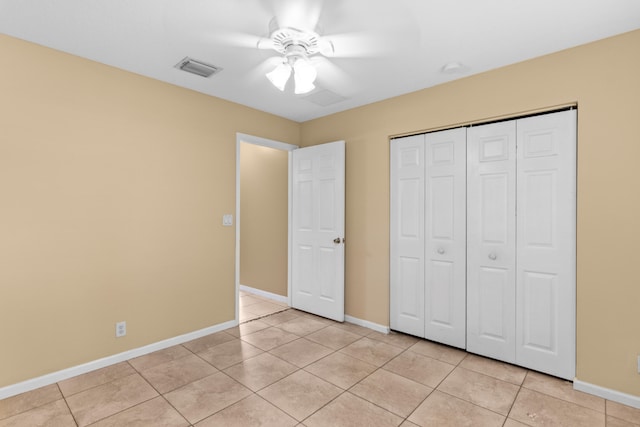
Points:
(256, 140)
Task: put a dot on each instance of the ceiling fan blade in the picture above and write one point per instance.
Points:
(223, 22)
(238, 39)
(265, 44)
(299, 14)
(367, 44)
(331, 76)
(350, 45)
(364, 29)
(259, 72)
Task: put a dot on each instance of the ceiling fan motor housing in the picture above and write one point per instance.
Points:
(291, 41)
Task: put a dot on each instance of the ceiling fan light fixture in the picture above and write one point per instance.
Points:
(304, 75)
(304, 70)
(280, 75)
(302, 85)
(296, 46)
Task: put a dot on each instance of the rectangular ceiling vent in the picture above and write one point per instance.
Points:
(197, 67)
(324, 98)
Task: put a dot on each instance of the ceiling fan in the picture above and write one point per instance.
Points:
(294, 31)
(295, 46)
(302, 49)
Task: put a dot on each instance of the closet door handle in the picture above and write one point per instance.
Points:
(441, 251)
(493, 256)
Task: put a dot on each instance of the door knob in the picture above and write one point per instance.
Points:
(441, 251)
(493, 256)
(336, 240)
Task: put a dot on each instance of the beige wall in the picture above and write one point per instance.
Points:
(112, 191)
(263, 218)
(603, 78)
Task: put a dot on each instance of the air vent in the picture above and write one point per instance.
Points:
(324, 98)
(197, 67)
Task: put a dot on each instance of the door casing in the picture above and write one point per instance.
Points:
(250, 139)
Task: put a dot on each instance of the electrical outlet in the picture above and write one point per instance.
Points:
(121, 329)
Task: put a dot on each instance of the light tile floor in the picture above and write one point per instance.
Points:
(253, 306)
(283, 367)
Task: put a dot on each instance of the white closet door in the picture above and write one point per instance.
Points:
(445, 235)
(407, 235)
(491, 293)
(546, 231)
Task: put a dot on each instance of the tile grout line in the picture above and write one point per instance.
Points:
(158, 391)
(520, 387)
(253, 393)
(506, 417)
(342, 390)
(67, 405)
(135, 372)
(62, 397)
(323, 406)
(438, 385)
(377, 368)
(381, 368)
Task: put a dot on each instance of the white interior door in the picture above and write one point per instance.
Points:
(406, 273)
(546, 230)
(317, 231)
(445, 237)
(491, 190)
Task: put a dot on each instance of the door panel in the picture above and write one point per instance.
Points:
(407, 235)
(442, 206)
(494, 200)
(546, 230)
(445, 237)
(493, 286)
(304, 256)
(317, 262)
(442, 303)
(539, 305)
(538, 208)
(410, 306)
(491, 186)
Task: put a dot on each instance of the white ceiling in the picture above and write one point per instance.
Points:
(383, 48)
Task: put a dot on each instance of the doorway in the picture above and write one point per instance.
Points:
(262, 221)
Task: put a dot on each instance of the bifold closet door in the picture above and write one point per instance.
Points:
(491, 240)
(428, 236)
(445, 237)
(521, 230)
(407, 235)
(546, 236)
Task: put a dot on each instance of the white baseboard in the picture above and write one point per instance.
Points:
(347, 318)
(265, 294)
(64, 374)
(607, 393)
(366, 324)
